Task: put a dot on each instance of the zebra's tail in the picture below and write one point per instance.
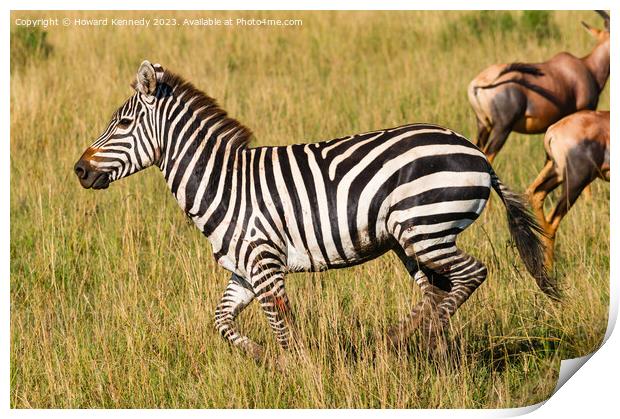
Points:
(526, 231)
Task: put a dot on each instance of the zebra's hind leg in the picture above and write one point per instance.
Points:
(465, 274)
(237, 296)
(427, 307)
(431, 296)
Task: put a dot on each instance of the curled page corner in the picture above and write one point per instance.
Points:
(568, 367)
(519, 411)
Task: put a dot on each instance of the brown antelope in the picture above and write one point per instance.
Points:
(577, 153)
(527, 98)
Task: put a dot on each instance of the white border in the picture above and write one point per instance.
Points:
(593, 392)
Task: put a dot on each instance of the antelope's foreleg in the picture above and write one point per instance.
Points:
(546, 181)
(571, 190)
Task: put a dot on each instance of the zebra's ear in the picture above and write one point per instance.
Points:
(146, 79)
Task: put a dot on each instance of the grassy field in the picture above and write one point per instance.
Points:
(113, 293)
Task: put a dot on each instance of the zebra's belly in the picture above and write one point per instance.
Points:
(320, 258)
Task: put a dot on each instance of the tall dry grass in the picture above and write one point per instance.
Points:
(112, 293)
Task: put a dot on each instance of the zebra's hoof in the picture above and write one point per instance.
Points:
(282, 363)
(255, 351)
(395, 338)
(436, 345)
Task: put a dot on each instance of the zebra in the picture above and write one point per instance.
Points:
(268, 211)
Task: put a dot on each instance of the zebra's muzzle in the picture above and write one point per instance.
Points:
(89, 177)
(102, 181)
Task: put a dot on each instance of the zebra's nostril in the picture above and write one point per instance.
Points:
(80, 170)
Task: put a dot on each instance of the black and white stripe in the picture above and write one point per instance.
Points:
(268, 211)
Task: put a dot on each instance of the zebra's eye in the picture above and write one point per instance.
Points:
(124, 122)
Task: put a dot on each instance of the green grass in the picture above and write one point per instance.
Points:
(28, 44)
(112, 293)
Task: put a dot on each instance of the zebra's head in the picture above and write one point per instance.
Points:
(129, 143)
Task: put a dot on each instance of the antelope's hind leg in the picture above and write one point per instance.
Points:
(512, 108)
(496, 140)
(483, 134)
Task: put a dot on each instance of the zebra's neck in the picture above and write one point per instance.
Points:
(202, 155)
(201, 161)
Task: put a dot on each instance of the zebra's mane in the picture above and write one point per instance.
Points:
(206, 106)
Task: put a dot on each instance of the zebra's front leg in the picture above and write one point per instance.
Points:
(270, 292)
(275, 304)
(237, 296)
